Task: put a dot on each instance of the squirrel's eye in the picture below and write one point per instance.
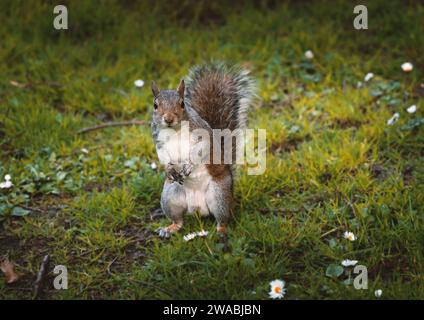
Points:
(155, 105)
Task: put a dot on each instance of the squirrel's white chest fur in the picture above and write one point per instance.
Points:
(195, 186)
(175, 149)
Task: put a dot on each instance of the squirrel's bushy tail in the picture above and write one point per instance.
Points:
(220, 94)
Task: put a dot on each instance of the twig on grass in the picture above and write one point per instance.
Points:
(34, 84)
(329, 232)
(112, 124)
(39, 282)
(33, 209)
(110, 265)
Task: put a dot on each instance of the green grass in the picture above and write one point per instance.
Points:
(332, 162)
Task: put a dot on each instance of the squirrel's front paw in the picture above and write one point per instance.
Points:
(167, 231)
(187, 169)
(173, 174)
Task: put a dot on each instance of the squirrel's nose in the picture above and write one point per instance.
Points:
(168, 120)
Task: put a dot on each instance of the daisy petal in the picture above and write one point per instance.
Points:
(368, 76)
(393, 119)
(349, 263)
(412, 109)
(407, 67)
(139, 83)
(349, 236)
(309, 55)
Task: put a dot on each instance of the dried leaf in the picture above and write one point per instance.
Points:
(7, 268)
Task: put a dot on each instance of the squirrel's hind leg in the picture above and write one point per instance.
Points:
(174, 204)
(219, 199)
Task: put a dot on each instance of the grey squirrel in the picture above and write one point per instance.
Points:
(216, 97)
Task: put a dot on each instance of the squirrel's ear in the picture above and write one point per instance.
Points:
(155, 89)
(181, 88)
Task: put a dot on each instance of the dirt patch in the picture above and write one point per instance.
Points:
(287, 145)
(378, 171)
(419, 91)
(90, 187)
(139, 240)
(391, 265)
(325, 177)
(347, 123)
(14, 249)
(407, 174)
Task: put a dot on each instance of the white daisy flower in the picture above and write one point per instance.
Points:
(407, 67)
(139, 83)
(368, 76)
(378, 293)
(412, 109)
(349, 236)
(309, 54)
(349, 263)
(190, 236)
(277, 289)
(202, 233)
(153, 166)
(6, 185)
(84, 150)
(393, 119)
